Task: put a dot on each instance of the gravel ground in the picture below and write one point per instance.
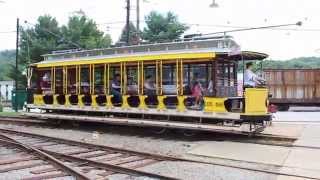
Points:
(23, 173)
(172, 143)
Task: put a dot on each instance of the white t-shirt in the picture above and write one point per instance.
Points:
(249, 78)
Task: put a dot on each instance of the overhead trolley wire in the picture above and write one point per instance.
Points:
(226, 26)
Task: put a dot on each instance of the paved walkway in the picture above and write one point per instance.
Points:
(285, 129)
(298, 160)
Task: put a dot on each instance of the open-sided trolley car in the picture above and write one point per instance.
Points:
(151, 85)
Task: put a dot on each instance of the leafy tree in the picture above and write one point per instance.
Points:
(84, 32)
(134, 35)
(161, 28)
(46, 36)
(39, 40)
(296, 63)
(34, 42)
(7, 58)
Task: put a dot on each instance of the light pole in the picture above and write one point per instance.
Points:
(138, 16)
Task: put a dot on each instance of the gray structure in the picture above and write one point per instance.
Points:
(6, 88)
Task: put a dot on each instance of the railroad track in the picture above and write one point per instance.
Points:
(17, 157)
(27, 159)
(20, 119)
(92, 161)
(64, 158)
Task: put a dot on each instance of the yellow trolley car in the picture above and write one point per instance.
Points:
(189, 84)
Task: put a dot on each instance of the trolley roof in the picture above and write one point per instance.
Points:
(224, 47)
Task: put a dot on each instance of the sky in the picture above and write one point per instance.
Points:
(280, 44)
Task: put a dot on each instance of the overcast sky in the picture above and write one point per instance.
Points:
(110, 16)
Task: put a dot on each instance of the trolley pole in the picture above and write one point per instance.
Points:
(16, 68)
(128, 23)
(138, 19)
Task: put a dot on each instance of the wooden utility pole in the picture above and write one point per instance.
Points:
(138, 19)
(16, 70)
(128, 23)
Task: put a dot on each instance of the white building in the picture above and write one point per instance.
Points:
(6, 88)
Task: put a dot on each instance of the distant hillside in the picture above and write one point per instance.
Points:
(296, 63)
(7, 58)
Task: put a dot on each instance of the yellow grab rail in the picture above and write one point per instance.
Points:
(108, 80)
(105, 79)
(93, 79)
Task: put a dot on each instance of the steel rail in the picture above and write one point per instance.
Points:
(111, 167)
(45, 156)
(89, 145)
(173, 158)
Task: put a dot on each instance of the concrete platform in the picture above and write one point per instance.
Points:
(296, 161)
(289, 130)
(301, 116)
(310, 136)
(244, 152)
(304, 158)
(301, 161)
(305, 161)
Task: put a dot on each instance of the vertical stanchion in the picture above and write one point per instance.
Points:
(105, 78)
(108, 80)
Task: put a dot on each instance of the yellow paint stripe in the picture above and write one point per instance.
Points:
(130, 59)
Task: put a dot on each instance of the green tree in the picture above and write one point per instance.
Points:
(47, 36)
(7, 59)
(84, 32)
(39, 40)
(162, 28)
(35, 41)
(134, 35)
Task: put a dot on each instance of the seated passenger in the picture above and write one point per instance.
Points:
(116, 88)
(45, 84)
(250, 78)
(132, 86)
(99, 90)
(73, 89)
(85, 88)
(149, 86)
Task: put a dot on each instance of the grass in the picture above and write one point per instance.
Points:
(9, 114)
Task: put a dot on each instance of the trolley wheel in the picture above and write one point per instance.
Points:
(189, 133)
(158, 130)
(58, 122)
(75, 123)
